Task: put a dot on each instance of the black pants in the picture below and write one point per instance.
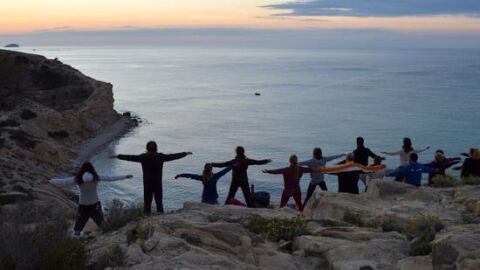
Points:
(311, 189)
(400, 178)
(85, 212)
(150, 191)
(245, 189)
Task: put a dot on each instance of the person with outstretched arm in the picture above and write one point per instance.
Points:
(239, 174)
(407, 150)
(152, 167)
(348, 172)
(362, 154)
(471, 165)
(209, 181)
(89, 205)
(441, 163)
(317, 178)
(291, 181)
(413, 171)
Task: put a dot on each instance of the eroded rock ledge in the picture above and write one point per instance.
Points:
(202, 236)
(49, 111)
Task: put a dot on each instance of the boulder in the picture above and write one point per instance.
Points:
(457, 247)
(385, 201)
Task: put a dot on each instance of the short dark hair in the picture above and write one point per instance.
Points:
(152, 147)
(413, 157)
(360, 141)
(317, 153)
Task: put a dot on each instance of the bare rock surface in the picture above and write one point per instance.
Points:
(201, 236)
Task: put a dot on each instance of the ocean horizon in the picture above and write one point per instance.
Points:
(203, 100)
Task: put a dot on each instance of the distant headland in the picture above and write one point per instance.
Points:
(12, 45)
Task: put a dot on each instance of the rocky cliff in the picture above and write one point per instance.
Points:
(337, 231)
(49, 112)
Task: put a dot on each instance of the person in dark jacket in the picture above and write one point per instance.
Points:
(209, 181)
(152, 167)
(348, 173)
(471, 165)
(441, 163)
(362, 154)
(239, 174)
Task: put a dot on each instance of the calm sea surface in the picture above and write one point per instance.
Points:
(202, 100)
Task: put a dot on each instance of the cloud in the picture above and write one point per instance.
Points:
(55, 29)
(378, 8)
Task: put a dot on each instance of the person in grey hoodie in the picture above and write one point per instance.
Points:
(317, 178)
(88, 204)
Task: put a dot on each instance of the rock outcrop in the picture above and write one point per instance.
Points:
(49, 111)
(202, 236)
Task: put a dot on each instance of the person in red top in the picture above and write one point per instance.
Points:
(291, 179)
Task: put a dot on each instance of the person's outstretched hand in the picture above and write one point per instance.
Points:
(177, 176)
(269, 160)
(129, 176)
(189, 153)
(265, 171)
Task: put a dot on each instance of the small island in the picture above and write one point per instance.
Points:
(12, 45)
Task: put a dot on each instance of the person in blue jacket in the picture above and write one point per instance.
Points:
(209, 180)
(413, 171)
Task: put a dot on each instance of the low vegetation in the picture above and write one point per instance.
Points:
(471, 181)
(277, 229)
(139, 232)
(58, 134)
(27, 114)
(442, 181)
(38, 238)
(390, 223)
(421, 231)
(120, 214)
(353, 218)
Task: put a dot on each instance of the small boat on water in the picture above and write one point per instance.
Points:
(257, 94)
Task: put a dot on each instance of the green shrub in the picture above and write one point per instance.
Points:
(390, 223)
(421, 231)
(442, 181)
(277, 229)
(139, 232)
(120, 214)
(353, 218)
(471, 181)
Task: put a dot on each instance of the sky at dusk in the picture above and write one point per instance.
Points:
(40, 18)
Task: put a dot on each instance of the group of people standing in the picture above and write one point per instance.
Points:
(354, 168)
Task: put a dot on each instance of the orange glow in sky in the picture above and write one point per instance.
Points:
(33, 15)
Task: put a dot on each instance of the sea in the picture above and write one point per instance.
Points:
(203, 100)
